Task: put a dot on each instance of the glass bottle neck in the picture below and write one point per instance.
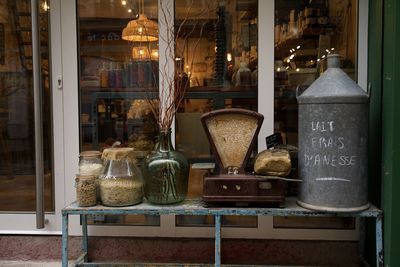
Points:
(164, 140)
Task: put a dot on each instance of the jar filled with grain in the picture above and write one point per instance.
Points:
(121, 183)
(86, 192)
(90, 163)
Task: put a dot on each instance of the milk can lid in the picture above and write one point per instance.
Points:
(333, 86)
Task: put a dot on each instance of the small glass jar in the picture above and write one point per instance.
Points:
(86, 190)
(90, 163)
(121, 183)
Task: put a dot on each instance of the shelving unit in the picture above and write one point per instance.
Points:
(197, 207)
(217, 95)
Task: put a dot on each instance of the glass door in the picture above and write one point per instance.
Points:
(27, 181)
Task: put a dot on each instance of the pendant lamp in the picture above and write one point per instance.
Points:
(141, 29)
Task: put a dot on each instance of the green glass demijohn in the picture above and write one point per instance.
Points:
(166, 172)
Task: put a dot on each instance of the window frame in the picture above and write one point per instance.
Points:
(167, 226)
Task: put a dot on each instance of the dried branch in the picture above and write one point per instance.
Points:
(172, 86)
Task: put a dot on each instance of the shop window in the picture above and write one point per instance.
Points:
(305, 33)
(118, 75)
(218, 64)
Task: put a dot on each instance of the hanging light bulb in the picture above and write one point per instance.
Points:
(229, 57)
(45, 6)
(140, 53)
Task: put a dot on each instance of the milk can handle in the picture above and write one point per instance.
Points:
(297, 91)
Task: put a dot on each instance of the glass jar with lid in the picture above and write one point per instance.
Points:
(121, 183)
(86, 192)
(90, 163)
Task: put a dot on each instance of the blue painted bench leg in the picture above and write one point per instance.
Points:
(217, 240)
(84, 237)
(64, 240)
(379, 242)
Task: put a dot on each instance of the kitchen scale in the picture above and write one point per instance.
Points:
(232, 134)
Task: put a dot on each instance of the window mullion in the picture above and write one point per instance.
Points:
(166, 49)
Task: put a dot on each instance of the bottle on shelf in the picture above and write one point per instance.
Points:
(103, 76)
(118, 76)
(111, 75)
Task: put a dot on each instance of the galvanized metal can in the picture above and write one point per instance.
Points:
(333, 139)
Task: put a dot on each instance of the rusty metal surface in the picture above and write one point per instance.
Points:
(198, 207)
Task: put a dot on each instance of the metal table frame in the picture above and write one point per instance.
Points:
(197, 207)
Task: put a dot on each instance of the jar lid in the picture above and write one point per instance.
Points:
(90, 154)
(119, 153)
(85, 177)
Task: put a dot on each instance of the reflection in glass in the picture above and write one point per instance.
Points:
(137, 220)
(305, 33)
(17, 134)
(314, 222)
(118, 74)
(227, 221)
(220, 60)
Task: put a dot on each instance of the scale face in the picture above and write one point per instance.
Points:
(232, 134)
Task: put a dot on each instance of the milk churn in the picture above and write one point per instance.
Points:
(333, 136)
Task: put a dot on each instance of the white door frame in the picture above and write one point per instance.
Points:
(25, 223)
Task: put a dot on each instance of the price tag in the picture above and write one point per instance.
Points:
(273, 140)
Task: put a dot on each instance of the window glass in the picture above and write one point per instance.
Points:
(314, 222)
(305, 33)
(118, 74)
(227, 221)
(216, 58)
(17, 128)
(137, 220)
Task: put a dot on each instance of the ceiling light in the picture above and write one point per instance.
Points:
(141, 29)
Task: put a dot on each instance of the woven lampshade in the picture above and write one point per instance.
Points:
(141, 29)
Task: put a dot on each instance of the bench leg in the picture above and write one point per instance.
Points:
(64, 240)
(84, 237)
(379, 242)
(217, 240)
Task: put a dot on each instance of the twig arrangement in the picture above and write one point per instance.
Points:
(172, 85)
